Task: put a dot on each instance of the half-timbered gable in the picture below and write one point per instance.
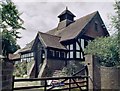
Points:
(96, 27)
(26, 54)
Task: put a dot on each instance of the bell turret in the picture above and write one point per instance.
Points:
(66, 15)
(66, 18)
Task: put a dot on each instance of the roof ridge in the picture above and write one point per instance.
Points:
(87, 15)
(49, 34)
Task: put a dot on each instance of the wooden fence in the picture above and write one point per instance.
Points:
(79, 82)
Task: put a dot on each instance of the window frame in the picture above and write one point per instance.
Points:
(27, 56)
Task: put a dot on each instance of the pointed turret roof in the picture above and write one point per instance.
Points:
(66, 11)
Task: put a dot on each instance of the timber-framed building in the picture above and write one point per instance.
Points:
(55, 48)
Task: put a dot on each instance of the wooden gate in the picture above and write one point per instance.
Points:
(78, 82)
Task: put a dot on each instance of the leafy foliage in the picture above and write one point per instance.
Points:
(116, 18)
(8, 43)
(10, 17)
(116, 21)
(72, 67)
(10, 22)
(106, 49)
(20, 69)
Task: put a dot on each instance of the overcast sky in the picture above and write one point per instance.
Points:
(42, 16)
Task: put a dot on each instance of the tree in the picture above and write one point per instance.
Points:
(116, 18)
(116, 21)
(10, 22)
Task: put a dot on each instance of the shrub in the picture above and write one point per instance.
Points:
(20, 69)
(107, 49)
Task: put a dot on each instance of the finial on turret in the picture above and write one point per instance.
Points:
(66, 8)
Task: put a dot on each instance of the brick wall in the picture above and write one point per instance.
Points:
(7, 73)
(96, 73)
(102, 77)
(0, 74)
(55, 64)
(109, 78)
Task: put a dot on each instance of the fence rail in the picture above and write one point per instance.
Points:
(63, 83)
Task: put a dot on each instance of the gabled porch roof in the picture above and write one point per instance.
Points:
(51, 40)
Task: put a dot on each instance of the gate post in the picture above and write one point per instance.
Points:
(69, 84)
(13, 82)
(45, 89)
(87, 78)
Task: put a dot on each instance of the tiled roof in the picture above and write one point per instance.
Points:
(51, 40)
(53, 37)
(73, 29)
(14, 56)
(27, 47)
(52, 32)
